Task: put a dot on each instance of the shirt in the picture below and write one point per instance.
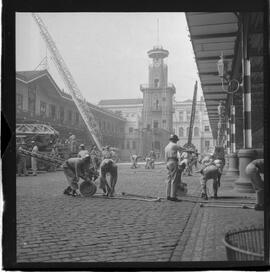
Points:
(171, 150)
(259, 163)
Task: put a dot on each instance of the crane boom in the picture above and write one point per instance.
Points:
(192, 117)
(70, 83)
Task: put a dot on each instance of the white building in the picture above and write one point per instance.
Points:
(202, 135)
(131, 109)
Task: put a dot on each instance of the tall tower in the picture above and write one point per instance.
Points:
(158, 94)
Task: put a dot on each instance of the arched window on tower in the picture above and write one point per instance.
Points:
(196, 131)
(181, 132)
(157, 104)
(156, 83)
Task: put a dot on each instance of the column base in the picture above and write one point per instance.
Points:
(232, 173)
(243, 183)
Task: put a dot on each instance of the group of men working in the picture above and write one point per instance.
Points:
(211, 168)
(86, 165)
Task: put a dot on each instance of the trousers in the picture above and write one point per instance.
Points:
(174, 178)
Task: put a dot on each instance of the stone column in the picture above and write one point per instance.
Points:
(246, 155)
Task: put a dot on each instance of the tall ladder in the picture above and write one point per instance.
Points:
(71, 85)
(192, 117)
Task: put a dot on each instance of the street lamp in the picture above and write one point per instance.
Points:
(233, 84)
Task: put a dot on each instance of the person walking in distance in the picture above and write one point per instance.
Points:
(34, 160)
(174, 172)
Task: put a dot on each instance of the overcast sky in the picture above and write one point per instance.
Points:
(107, 52)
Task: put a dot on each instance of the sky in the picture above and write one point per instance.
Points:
(107, 52)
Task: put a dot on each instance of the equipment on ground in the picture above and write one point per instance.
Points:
(77, 97)
(87, 188)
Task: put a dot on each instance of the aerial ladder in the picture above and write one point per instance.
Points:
(189, 144)
(77, 97)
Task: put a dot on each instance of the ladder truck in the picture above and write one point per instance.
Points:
(77, 97)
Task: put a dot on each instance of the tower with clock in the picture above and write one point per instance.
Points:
(157, 114)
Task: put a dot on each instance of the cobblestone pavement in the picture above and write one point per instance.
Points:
(52, 227)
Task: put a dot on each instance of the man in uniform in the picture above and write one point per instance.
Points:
(74, 169)
(254, 171)
(152, 159)
(72, 143)
(21, 162)
(82, 152)
(108, 166)
(174, 172)
(106, 153)
(34, 160)
(134, 160)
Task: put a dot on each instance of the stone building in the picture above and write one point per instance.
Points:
(39, 100)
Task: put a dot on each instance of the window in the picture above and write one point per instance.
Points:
(164, 99)
(155, 124)
(69, 115)
(130, 130)
(157, 145)
(181, 132)
(196, 131)
(197, 116)
(133, 144)
(127, 144)
(77, 117)
(164, 123)
(207, 144)
(206, 128)
(188, 115)
(43, 107)
(52, 111)
(148, 126)
(156, 83)
(181, 116)
(62, 114)
(19, 101)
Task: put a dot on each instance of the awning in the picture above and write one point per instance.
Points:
(211, 34)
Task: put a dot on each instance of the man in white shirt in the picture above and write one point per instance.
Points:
(174, 172)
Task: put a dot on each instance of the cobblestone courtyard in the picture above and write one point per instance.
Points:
(52, 227)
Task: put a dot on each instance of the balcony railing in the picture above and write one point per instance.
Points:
(151, 86)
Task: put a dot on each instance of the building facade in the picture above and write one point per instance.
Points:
(132, 110)
(202, 135)
(39, 100)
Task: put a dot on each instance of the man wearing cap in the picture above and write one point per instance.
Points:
(82, 152)
(106, 153)
(74, 169)
(174, 172)
(34, 160)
